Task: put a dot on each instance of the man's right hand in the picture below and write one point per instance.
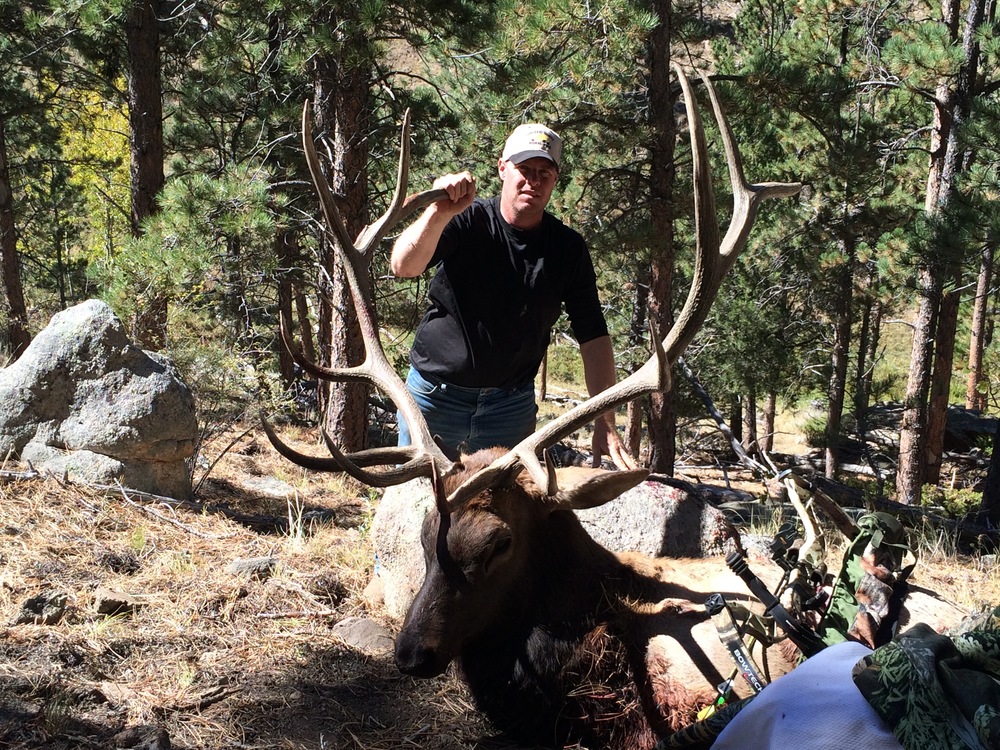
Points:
(415, 246)
(461, 189)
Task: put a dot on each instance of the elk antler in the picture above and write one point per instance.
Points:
(424, 458)
(714, 258)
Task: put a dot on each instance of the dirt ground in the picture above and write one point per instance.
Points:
(123, 622)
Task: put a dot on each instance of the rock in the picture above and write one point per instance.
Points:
(144, 737)
(660, 520)
(653, 518)
(259, 568)
(46, 608)
(395, 534)
(364, 634)
(84, 402)
(115, 603)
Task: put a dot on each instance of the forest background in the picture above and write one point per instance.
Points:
(150, 155)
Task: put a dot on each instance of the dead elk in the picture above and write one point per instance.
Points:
(559, 639)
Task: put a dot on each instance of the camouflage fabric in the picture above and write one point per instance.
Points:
(701, 734)
(937, 692)
(870, 586)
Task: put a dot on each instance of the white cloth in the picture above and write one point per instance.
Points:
(814, 707)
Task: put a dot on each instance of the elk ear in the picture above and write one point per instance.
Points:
(581, 488)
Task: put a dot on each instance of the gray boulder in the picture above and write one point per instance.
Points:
(85, 402)
(653, 518)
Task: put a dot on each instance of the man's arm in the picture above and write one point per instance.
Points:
(415, 247)
(599, 372)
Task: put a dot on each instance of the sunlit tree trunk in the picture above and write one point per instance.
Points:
(342, 105)
(16, 313)
(974, 397)
(768, 423)
(839, 356)
(750, 444)
(937, 408)
(948, 160)
(145, 116)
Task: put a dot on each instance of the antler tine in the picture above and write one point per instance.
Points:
(410, 464)
(746, 197)
(409, 461)
(713, 259)
(376, 369)
(328, 204)
(401, 206)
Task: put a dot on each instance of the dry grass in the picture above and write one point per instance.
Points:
(220, 659)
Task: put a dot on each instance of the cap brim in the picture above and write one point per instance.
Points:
(525, 155)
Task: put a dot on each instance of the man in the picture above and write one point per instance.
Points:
(505, 268)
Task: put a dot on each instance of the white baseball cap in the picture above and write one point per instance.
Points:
(532, 140)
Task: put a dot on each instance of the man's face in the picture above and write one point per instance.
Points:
(526, 190)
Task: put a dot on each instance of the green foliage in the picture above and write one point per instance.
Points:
(565, 367)
(207, 233)
(957, 503)
(813, 427)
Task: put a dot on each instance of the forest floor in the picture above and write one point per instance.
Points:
(125, 623)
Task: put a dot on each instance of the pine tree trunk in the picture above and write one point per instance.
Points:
(634, 414)
(305, 324)
(663, 408)
(989, 508)
(142, 34)
(543, 378)
(749, 442)
(839, 356)
(16, 314)
(944, 360)
(910, 472)
(342, 114)
(868, 337)
(948, 160)
(768, 425)
(284, 250)
(974, 398)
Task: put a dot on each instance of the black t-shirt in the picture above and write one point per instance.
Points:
(497, 293)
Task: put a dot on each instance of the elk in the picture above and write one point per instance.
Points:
(558, 638)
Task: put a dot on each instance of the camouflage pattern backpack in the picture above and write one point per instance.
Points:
(869, 589)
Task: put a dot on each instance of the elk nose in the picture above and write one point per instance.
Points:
(417, 661)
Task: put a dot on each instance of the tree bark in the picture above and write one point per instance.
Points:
(910, 471)
(284, 250)
(937, 410)
(974, 398)
(16, 312)
(768, 425)
(663, 406)
(144, 88)
(750, 444)
(342, 107)
(868, 341)
(839, 356)
(989, 508)
(949, 159)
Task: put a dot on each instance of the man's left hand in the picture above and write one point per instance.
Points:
(608, 443)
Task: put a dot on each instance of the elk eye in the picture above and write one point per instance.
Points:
(499, 548)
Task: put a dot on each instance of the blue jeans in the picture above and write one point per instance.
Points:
(477, 417)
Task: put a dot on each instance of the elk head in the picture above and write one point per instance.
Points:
(479, 532)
